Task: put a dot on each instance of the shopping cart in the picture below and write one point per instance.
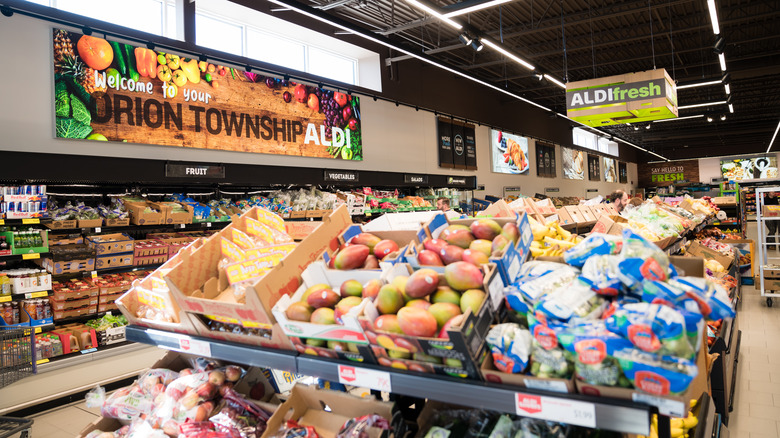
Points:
(10, 426)
(17, 346)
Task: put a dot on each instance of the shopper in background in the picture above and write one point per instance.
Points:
(771, 239)
(620, 199)
(443, 204)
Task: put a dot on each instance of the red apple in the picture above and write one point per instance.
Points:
(313, 102)
(232, 373)
(217, 377)
(301, 93)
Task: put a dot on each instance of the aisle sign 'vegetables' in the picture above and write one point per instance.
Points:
(106, 90)
(628, 98)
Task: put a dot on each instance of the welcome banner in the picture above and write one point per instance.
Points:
(105, 90)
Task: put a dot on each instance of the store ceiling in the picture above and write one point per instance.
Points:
(604, 38)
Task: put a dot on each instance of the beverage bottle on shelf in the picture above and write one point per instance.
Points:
(16, 312)
(4, 244)
(40, 313)
(56, 346)
(38, 238)
(46, 309)
(7, 314)
(5, 284)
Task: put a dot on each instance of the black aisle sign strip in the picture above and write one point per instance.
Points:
(470, 136)
(415, 179)
(445, 143)
(194, 171)
(342, 175)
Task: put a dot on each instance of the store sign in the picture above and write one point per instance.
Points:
(628, 98)
(749, 168)
(134, 94)
(594, 168)
(341, 176)
(453, 181)
(194, 171)
(415, 179)
(457, 144)
(664, 174)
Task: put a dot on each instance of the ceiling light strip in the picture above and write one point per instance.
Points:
(435, 13)
(678, 118)
(555, 81)
(727, 87)
(722, 59)
(774, 136)
(713, 17)
(488, 4)
(700, 84)
(508, 54)
(698, 105)
(731, 108)
(369, 37)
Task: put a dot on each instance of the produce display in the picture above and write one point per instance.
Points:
(475, 243)
(617, 306)
(363, 251)
(550, 239)
(678, 427)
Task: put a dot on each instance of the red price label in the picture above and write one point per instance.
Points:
(354, 376)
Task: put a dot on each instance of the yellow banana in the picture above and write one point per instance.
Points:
(693, 403)
(690, 422)
(535, 244)
(561, 243)
(565, 235)
(536, 252)
(676, 423)
(677, 433)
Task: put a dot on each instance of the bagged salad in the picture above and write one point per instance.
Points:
(652, 328)
(593, 348)
(595, 244)
(510, 346)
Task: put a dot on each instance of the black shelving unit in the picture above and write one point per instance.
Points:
(604, 413)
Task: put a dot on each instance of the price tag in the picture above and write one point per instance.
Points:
(38, 330)
(89, 350)
(42, 361)
(547, 385)
(40, 294)
(208, 224)
(32, 256)
(2, 222)
(496, 291)
(194, 346)
(5, 299)
(182, 226)
(555, 409)
(378, 380)
(31, 221)
(98, 229)
(94, 275)
(672, 408)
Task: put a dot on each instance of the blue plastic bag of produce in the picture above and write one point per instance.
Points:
(595, 244)
(601, 273)
(548, 357)
(712, 299)
(657, 376)
(573, 301)
(593, 347)
(653, 328)
(510, 346)
(555, 276)
(642, 260)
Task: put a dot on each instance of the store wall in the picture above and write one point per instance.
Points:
(395, 138)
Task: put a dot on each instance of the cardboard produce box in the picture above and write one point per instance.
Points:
(61, 225)
(499, 208)
(67, 267)
(140, 216)
(465, 343)
(113, 261)
(587, 214)
(298, 230)
(200, 287)
(59, 305)
(699, 250)
(565, 219)
(171, 216)
(508, 262)
(402, 238)
(307, 406)
(770, 210)
(724, 200)
(115, 222)
(115, 243)
(492, 374)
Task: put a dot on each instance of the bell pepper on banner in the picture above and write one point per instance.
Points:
(146, 62)
(190, 69)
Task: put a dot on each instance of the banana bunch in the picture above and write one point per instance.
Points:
(550, 239)
(679, 426)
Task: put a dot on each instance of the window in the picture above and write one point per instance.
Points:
(145, 15)
(331, 65)
(219, 34)
(589, 140)
(275, 50)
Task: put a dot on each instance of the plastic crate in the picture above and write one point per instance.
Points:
(18, 427)
(16, 354)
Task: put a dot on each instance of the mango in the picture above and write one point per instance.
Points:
(316, 342)
(452, 362)
(323, 315)
(312, 289)
(371, 263)
(366, 239)
(338, 346)
(476, 258)
(422, 357)
(385, 362)
(371, 288)
(323, 298)
(482, 245)
(352, 347)
(459, 237)
(463, 276)
(435, 245)
(485, 229)
(454, 322)
(511, 232)
(445, 294)
(422, 304)
(417, 322)
(399, 365)
(384, 248)
(429, 258)
(351, 288)
(388, 323)
(443, 312)
(499, 243)
(345, 305)
(399, 354)
(422, 283)
(389, 299)
(385, 341)
(451, 254)
(403, 344)
(472, 299)
(452, 229)
(351, 257)
(299, 311)
(400, 283)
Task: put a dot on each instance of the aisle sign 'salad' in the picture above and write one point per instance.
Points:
(106, 90)
(628, 98)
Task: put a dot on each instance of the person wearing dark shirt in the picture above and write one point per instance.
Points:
(771, 240)
(619, 198)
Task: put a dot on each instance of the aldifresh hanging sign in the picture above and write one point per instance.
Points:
(105, 90)
(629, 98)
